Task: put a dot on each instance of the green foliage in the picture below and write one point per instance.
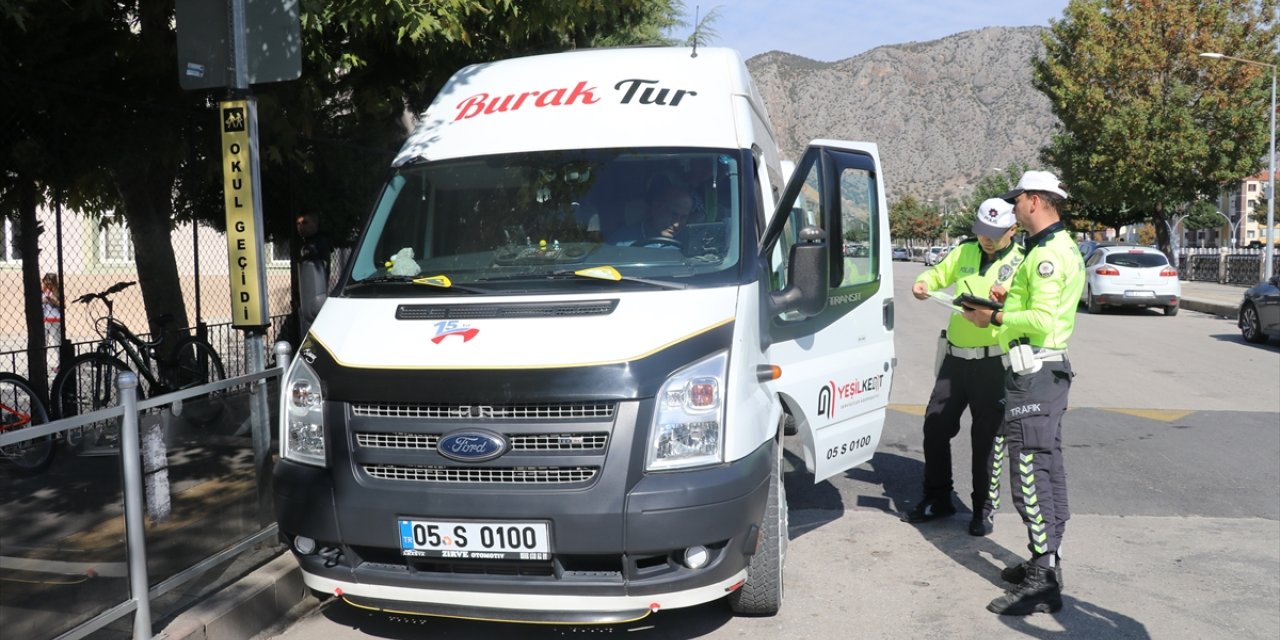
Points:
(1147, 124)
(1259, 214)
(704, 31)
(960, 222)
(1203, 215)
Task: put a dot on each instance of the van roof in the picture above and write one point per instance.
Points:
(589, 99)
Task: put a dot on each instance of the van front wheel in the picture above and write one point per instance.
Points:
(761, 595)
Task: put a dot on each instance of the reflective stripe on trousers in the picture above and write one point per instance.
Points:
(1032, 428)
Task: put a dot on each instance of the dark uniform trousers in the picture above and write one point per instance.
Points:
(1032, 431)
(979, 386)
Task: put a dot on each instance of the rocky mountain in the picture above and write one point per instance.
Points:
(943, 112)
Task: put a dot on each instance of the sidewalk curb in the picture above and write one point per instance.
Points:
(1207, 306)
(245, 607)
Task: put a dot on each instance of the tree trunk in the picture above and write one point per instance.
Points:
(29, 238)
(145, 192)
(1163, 240)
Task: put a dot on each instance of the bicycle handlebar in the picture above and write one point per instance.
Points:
(115, 288)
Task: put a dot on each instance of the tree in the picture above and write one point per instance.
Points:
(1146, 124)
(910, 219)
(103, 126)
(989, 186)
(1203, 214)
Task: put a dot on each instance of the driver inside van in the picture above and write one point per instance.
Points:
(666, 211)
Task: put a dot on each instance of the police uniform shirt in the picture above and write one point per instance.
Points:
(1045, 291)
(963, 266)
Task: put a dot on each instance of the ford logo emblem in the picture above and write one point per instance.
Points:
(472, 445)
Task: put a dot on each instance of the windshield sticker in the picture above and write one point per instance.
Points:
(842, 396)
(454, 328)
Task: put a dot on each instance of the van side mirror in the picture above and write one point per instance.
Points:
(808, 268)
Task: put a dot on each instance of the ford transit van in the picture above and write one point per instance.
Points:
(556, 377)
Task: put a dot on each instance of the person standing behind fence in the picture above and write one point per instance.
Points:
(312, 270)
(51, 300)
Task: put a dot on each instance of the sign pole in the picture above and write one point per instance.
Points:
(244, 236)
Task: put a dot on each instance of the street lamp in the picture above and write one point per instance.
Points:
(1235, 239)
(1271, 173)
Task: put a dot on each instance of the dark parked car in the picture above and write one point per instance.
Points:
(1260, 311)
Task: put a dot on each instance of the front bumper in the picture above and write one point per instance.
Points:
(617, 540)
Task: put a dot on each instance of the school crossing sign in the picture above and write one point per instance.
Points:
(244, 215)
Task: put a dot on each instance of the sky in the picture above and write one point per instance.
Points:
(830, 30)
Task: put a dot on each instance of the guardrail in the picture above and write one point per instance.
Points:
(207, 509)
(1225, 266)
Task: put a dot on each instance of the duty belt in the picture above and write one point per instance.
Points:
(973, 353)
(1042, 354)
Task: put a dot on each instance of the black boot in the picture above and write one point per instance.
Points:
(1038, 593)
(930, 508)
(981, 526)
(1018, 572)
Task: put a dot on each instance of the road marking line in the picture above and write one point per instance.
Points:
(913, 409)
(1163, 415)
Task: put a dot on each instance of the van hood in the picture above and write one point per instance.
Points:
(368, 333)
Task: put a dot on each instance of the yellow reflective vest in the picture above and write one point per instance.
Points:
(1045, 292)
(963, 267)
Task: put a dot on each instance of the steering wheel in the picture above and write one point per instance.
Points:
(661, 242)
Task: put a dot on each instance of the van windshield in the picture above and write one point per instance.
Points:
(554, 221)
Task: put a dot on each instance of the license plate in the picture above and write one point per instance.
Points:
(475, 540)
(1139, 294)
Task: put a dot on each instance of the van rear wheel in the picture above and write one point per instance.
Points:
(761, 595)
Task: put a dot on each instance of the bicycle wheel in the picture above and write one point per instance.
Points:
(88, 384)
(195, 363)
(20, 408)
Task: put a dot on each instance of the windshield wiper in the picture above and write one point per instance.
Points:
(437, 282)
(604, 272)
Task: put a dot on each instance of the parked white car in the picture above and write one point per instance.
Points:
(934, 256)
(1130, 276)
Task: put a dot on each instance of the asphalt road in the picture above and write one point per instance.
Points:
(1173, 454)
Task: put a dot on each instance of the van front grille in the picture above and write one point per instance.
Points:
(520, 442)
(488, 412)
(485, 475)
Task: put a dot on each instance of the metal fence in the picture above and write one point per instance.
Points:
(177, 510)
(1226, 266)
(87, 252)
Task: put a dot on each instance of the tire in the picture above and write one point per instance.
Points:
(1171, 310)
(1251, 324)
(195, 363)
(87, 384)
(1092, 303)
(761, 594)
(21, 408)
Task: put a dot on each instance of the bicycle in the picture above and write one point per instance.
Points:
(20, 408)
(87, 383)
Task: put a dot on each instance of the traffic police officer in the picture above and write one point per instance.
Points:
(1035, 326)
(971, 374)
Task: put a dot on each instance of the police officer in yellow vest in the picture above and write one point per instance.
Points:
(970, 374)
(1035, 324)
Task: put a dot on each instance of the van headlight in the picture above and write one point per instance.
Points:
(688, 419)
(302, 415)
